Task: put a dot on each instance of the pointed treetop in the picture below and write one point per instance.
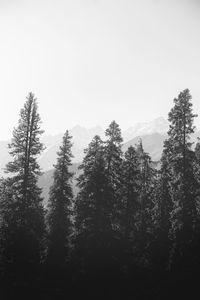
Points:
(114, 132)
(139, 147)
(181, 116)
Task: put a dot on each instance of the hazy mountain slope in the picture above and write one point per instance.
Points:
(152, 143)
(81, 137)
(159, 125)
(153, 133)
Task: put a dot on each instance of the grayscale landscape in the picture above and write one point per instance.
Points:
(99, 149)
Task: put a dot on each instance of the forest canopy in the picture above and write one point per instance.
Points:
(129, 224)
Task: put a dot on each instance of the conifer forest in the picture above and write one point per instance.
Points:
(131, 232)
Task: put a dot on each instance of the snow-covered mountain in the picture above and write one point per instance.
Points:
(81, 137)
(152, 144)
(159, 125)
(153, 134)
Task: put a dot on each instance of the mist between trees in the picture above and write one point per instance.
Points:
(131, 229)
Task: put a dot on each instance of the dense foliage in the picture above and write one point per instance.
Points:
(131, 228)
(22, 213)
(59, 215)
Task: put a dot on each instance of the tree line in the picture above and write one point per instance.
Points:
(130, 224)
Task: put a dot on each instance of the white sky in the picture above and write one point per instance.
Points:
(91, 61)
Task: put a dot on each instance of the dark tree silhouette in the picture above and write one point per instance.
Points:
(60, 207)
(22, 215)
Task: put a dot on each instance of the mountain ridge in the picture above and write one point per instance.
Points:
(152, 133)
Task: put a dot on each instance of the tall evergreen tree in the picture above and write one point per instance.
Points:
(183, 183)
(23, 216)
(130, 191)
(60, 204)
(161, 244)
(113, 153)
(93, 207)
(113, 158)
(197, 172)
(130, 205)
(6, 217)
(147, 186)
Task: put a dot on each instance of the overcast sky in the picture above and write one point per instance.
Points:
(91, 61)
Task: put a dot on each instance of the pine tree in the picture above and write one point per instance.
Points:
(93, 208)
(197, 166)
(161, 244)
(130, 205)
(23, 216)
(197, 172)
(113, 153)
(113, 158)
(60, 204)
(196, 239)
(183, 183)
(6, 214)
(146, 197)
(130, 190)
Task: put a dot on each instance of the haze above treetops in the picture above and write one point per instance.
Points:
(91, 62)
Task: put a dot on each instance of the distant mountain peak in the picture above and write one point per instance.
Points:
(77, 127)
(152, 133)
(159, 125)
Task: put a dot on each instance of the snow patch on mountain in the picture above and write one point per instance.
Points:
(159, 125)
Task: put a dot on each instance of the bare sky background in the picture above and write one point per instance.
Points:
(89, 62)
